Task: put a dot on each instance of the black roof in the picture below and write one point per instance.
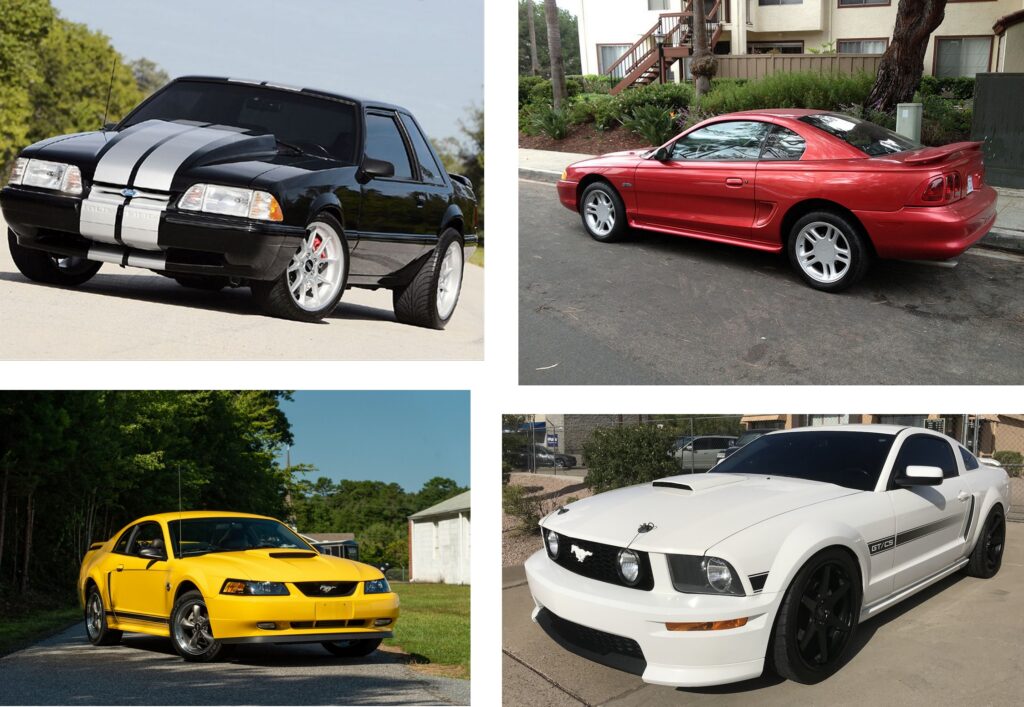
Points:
(365, 102)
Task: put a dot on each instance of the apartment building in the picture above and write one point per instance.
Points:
(975, 36)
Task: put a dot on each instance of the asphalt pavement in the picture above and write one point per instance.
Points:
(133, 314)
(957, 642)
(144, 670)
(658, 309)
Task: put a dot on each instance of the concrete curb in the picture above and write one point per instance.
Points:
(539, 175)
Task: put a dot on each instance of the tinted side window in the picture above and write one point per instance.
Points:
(122, 542)
(384, 142)
(149, 535)
(925, 450)
(783, 144)
(700, 445)
(428, 166)
(970, 461)
(733, 140)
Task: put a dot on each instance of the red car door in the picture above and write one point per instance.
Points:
(705, 187)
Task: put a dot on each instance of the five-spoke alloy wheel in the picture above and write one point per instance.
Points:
(190, 630)
(828, 251)
(96, 620)
(987, 556)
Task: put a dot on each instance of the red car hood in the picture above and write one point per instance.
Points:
(612, 159)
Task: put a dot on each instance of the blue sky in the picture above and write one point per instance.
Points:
(398, 436)
(424, 54)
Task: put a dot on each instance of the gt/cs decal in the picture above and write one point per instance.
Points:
(881, 545)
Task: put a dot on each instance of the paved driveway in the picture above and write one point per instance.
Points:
(133, 314)
(661, 309)
(144, 670)
(960, 641)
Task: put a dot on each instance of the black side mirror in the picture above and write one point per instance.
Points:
(372, 169)
(152, 553)
(661, 154)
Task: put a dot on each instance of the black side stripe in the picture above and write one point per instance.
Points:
(970, 517)
(141, 617)
(883, 544)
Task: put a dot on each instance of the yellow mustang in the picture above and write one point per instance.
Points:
(230, 578)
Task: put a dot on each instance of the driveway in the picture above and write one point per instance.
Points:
(658, 309)
(958, 642)
(133, 314)
(144, 670)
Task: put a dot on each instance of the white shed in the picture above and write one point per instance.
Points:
(439, 542)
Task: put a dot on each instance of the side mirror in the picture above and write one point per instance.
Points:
(920, 476)
(372, 169)
(661, 154)
(152, 553)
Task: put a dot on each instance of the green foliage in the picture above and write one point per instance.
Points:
(526, 508)
(148, 75)
(542, 94)
(945, 120)
(1013, 462)
(960, 87)
(669, 96)
(465, 155)
(25, 627)
(434, 627)
(654, 124)
(784, 90)
(548, 121)
(526, 86)
(622, 456)
(568, 30)
(597, 108)
(595, 83)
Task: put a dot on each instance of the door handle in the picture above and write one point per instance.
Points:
(734, 181)
(120, 568)
(420, 201)
(963, 496)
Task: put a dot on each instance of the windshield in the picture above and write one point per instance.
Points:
(748, 437)
(318, 126)
(873, 140)
(200, 536)
(850, 459)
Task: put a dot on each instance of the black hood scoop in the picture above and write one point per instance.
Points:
(291, 555)
(672, 485)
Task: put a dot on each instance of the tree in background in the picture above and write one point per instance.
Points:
(148, 75)
(568, 29)
(555, 59)
(622, 456)
(902, 65)
(466, 155)
(531, 22)
(703, 65)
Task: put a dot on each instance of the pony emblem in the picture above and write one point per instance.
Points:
(580, 553)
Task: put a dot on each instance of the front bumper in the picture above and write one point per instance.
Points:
(567, 194)
(190, 243)
(932, 232)
(688, 659)
(301, 619)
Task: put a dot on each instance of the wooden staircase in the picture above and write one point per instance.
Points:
(645, 63)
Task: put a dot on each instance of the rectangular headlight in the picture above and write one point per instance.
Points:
(241, 586)
(231, 201)
(57, 176)
(376, 586)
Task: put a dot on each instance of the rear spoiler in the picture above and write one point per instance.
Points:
(934, 154)
(96, 546)
(461, 179)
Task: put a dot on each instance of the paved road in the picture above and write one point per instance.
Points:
(659, 309)
(144, 670)
(958, 642)
(133, 314)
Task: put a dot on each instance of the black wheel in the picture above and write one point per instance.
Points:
(818, 618)
(987, 556)
(354, 648)
(310, 287)
(96, 620)
(603, 213)
(50, 269)
(429, 300)
(198, 282)
(828, 251)
(560, 463)
(191, 633)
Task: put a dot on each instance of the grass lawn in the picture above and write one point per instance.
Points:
(24, 628)
(433, 625)
(478, 256)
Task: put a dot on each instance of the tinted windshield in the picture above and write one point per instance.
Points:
(871, 139)
(850, 459)
(202, 535)
(320, 126)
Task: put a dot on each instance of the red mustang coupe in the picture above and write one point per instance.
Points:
(831, 190)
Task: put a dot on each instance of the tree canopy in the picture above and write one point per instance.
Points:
(568, 28)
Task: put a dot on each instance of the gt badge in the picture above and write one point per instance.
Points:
(580, 553)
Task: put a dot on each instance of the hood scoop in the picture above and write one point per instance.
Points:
(672, 485)
(695, 483)
(292, 555)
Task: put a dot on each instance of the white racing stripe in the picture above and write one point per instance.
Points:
(115, 167)
(99, 214)
(158, 169)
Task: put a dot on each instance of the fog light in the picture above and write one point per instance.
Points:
(706, 625)
(267, 626)
(381, 622)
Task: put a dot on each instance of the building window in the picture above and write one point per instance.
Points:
(903, 420)
(961, 56)
(657, 4)
(861, 46)
(863, 3)
(776, 47)
(820, 420)
(780, 2)
(608, 54)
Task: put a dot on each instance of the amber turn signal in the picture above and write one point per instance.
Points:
(232, 587)
(706, 625)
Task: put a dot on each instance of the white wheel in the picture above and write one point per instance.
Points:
(599, 211)
(823, 252)
(449, 280)
(315, 272)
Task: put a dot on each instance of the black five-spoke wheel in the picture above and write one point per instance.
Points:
(987, 556)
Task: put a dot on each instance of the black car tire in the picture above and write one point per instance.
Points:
(96, 629)
(798, 629)
(355, 648)
(43, 267)
(560, 463)
(275, 299)
(603, 192)
(416, 302)
(212, 649)
(859, 251)
(987, 556)
(199, 282)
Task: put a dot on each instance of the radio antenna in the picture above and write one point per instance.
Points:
(110, 88)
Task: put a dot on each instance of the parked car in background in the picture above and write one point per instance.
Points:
(744, 439)
(830, 191)
(700, 453)
(537, 455)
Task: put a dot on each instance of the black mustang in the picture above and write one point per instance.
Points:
(297, 193)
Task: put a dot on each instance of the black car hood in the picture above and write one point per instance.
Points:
(170, 156)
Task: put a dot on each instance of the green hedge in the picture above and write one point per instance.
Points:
(800, 90)
(622, 456)
(961, 87)
(537, 89)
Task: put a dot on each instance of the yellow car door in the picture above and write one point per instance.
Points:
(139, 578)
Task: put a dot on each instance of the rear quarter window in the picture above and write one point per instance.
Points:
(873, 140)
(970, 461)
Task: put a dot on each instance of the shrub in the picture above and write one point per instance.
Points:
(550, 122)
(800, 90)
(1013, 462)
(960, 87)
(669, 96)
(945, 120)
(595, 83)
(621, 456)
(526, 85)
(526, 508)
(541, 93)
(654, 124)
(586, 108)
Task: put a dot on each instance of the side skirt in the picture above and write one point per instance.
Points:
(882, 604)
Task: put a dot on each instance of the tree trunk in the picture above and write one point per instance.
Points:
(899, 72)
(534, 64)
(702, 82)
(555, 54)
(30, 515)
(3, 513)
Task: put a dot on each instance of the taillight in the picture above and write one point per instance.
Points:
(938, 191)
(954, 190)
(935, 190)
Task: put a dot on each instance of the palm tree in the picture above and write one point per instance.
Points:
(534, 64)
(555, 54)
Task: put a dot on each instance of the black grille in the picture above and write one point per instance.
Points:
(326, 589)
(339, 623)
(606, 648)
(603, 564)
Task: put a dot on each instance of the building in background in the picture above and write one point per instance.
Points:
(336, 544)
(439, 542)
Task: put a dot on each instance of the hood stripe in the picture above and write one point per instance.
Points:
(157, 170)
(115, 166)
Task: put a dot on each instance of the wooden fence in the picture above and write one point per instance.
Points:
(756, 66)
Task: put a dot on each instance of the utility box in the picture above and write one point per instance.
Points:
(908, 120)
